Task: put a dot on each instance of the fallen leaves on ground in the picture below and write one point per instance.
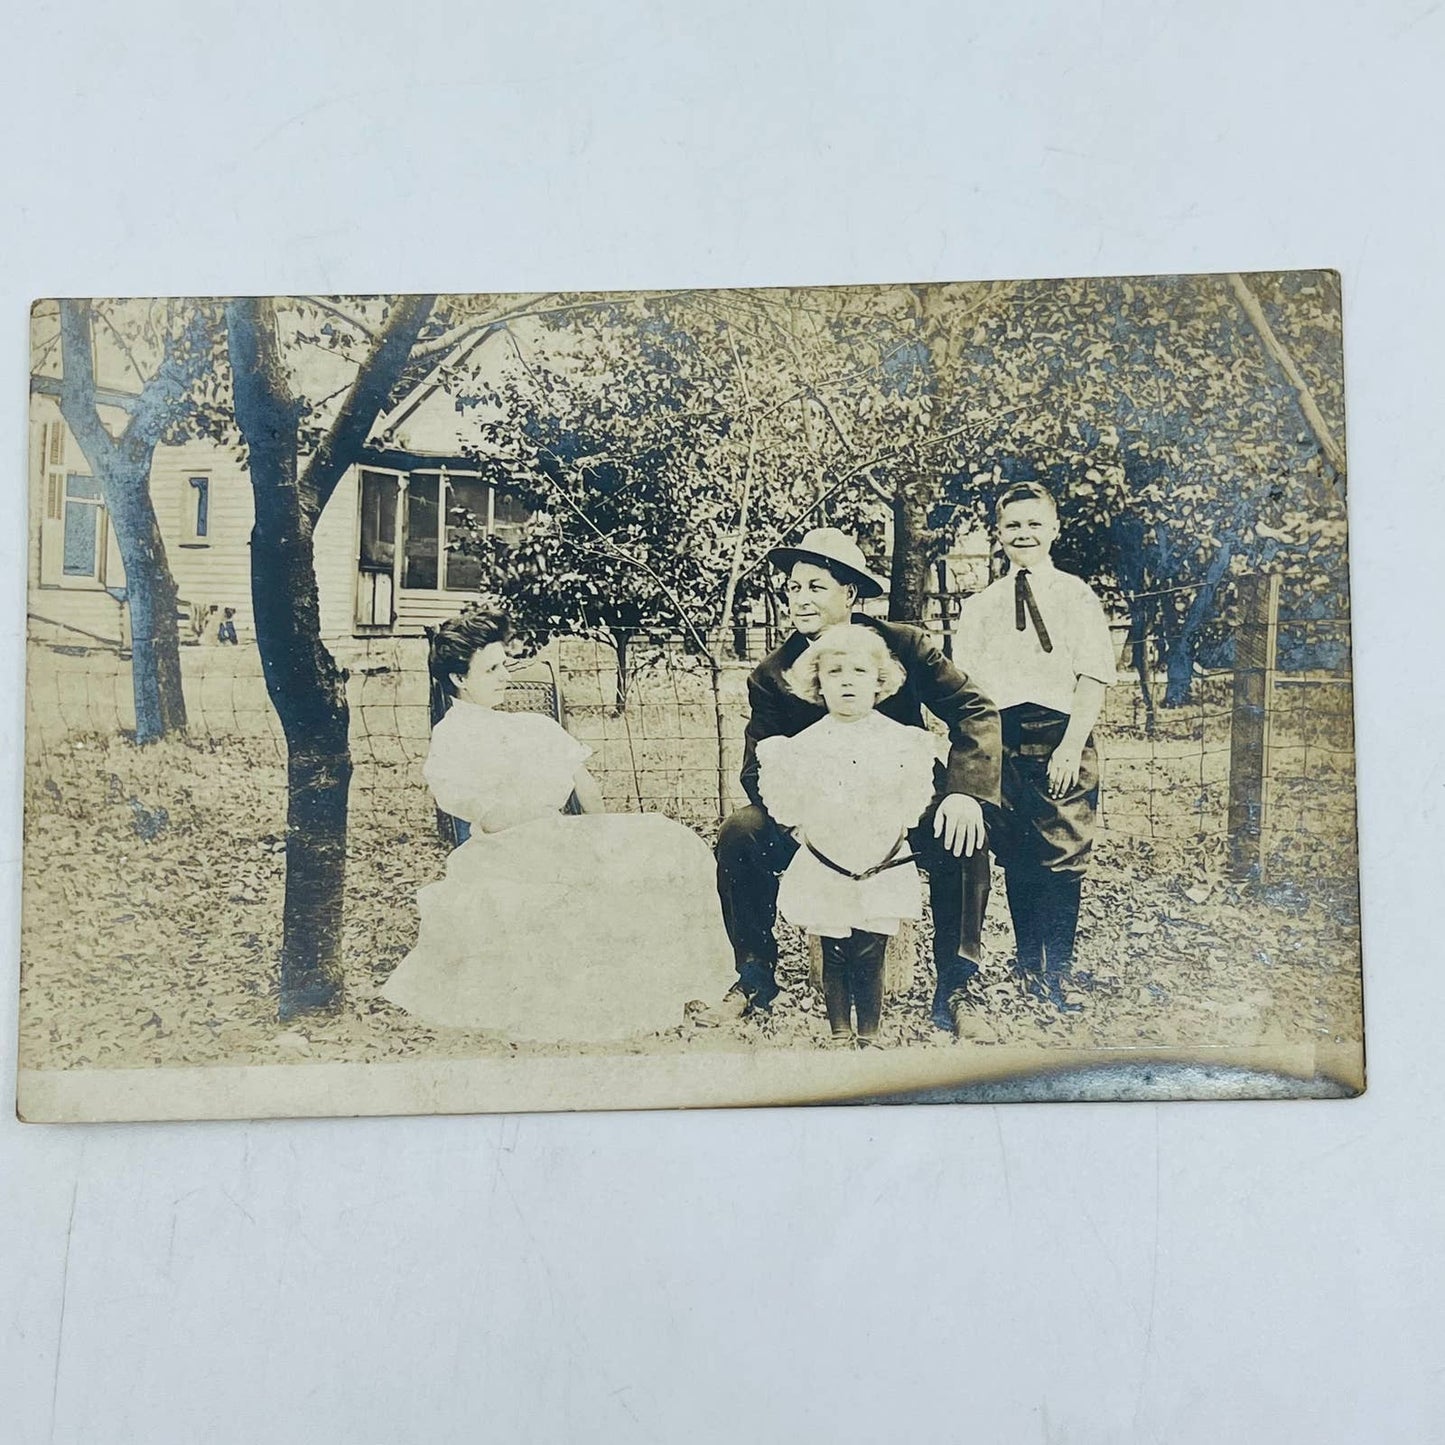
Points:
(154, 880)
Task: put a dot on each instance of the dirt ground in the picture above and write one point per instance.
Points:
(153, 886)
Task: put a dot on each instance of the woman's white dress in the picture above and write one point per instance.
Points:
(851, 789)
(551, 927)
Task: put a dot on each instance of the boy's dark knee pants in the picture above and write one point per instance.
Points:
(1043, 842)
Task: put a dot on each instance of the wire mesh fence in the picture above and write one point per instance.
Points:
(667, 734)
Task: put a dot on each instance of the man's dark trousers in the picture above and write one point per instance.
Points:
(753, 851)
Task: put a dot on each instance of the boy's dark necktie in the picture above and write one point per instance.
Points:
(1027, 610)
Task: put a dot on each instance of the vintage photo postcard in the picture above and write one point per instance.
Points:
(909, 693)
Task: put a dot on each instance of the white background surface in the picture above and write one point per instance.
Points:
(1240, 1272)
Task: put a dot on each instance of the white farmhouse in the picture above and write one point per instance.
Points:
(387, 563)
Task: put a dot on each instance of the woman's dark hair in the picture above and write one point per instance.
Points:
(455, 643)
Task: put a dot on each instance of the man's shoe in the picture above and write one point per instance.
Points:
(731, 1007)
(959, 993)
(966, 1013)
(762, 1001)
(942, 1010)
(1030, 980)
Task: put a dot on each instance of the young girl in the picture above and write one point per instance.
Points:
(546, 926)
(850, 787)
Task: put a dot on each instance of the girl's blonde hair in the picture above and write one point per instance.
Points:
(846, 638)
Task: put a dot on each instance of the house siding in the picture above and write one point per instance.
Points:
(335, 559)
(76, 612)
(214, 572)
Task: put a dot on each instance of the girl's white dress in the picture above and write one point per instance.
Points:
(851, 789)
(550, 927)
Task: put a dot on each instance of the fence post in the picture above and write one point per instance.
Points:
(1255, 642)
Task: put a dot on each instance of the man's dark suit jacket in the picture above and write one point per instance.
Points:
(975, 748)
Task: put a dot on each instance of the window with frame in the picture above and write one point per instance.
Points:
(83, 549)
(468, 514)
(438, 524)
(378, 521)
(421, 551)
(198, 510)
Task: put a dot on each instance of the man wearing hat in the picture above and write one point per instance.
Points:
(826, 575)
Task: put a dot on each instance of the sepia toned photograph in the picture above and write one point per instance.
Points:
(904, 693)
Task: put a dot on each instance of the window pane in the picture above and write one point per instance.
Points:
(466, 517)
(378, 521)
(420, 562)
(80, 529)
(508, 516)
(78, 486)
(202, 488)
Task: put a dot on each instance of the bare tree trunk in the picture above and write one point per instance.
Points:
(160, 705)
(1139, 657)
(908, 579)
(306, 687)
(1127, 534)
(122, 468)
(945, 606)
(1179, 663)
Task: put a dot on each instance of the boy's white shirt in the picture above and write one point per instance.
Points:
(1011, 667)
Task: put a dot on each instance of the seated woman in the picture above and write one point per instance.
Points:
(549, 927)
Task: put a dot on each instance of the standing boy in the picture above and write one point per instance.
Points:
(1038, 643)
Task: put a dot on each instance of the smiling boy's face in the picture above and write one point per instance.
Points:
(1027, 530)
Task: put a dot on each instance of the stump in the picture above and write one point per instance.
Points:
(898, 964)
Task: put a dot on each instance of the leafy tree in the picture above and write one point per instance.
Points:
(666, 444)
(1179, 447)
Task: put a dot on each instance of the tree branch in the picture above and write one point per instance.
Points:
(77, 385)
(123, 344)
(735, 566)
(861, 470)
(182, 362)
(1249, 302)
(366, 398)
(322, 304)
(104, 395)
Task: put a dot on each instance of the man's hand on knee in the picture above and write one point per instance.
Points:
(959, 823)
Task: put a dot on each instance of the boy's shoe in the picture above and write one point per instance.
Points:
(1030, 980)
(1061, 1000)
